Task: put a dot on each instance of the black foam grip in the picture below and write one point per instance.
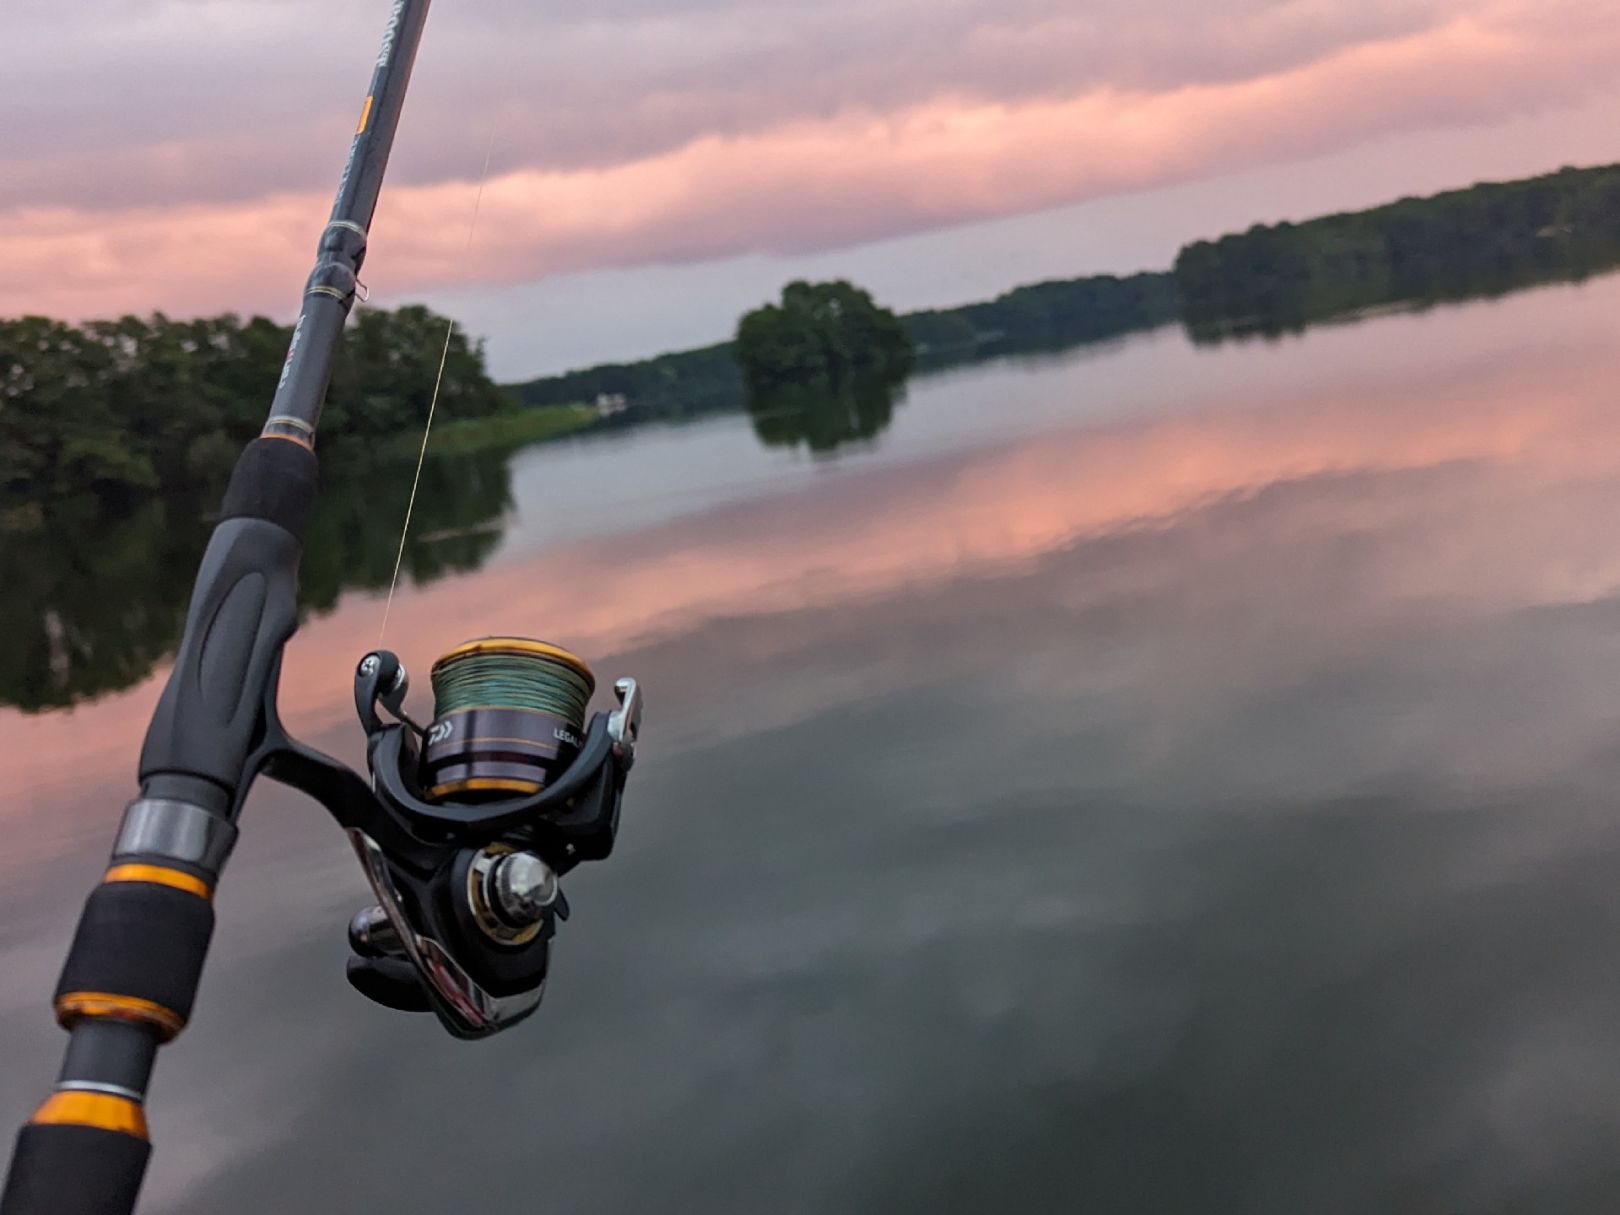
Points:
(142, 940)
(74, 1170)
(275, 480)
(243, 608)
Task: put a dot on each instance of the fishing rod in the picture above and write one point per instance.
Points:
(462, 827)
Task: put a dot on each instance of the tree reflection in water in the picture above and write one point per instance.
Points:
(822, 417)
(95, 594)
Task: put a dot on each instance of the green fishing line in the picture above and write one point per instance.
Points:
(514, 680)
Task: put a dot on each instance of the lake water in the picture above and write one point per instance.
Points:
(1154, 779)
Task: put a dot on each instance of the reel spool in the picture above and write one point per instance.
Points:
(508, 717)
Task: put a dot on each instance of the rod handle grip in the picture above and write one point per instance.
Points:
(74, 1170)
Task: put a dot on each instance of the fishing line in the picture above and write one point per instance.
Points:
(433, 401)
(511, 678)
(508, 717)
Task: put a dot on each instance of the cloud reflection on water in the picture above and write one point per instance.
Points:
(1530, 428)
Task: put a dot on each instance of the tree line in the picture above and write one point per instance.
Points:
(1045, 316)
(1484, 240)
(1040, 316)
(123, 407)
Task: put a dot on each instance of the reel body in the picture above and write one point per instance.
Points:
(465, 826)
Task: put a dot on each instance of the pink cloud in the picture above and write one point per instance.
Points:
(815, 183)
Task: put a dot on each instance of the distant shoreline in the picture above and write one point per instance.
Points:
(1484, 240)
(135, 407)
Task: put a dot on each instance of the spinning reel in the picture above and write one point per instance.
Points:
(468, 823)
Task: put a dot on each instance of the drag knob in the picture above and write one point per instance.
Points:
(513, 895)
(521, 887)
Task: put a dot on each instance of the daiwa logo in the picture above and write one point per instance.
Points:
(391, 34)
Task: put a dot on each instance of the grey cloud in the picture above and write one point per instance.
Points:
(168, 100)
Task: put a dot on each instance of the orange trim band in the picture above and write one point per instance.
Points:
(104, 1111)
(298, 439)
(365, 117)
(73, 1005)
(160, 875)
(481, 784)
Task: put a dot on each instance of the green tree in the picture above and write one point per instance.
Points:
(121, 408)
(58, 429)
(386, 369)
(825, 334)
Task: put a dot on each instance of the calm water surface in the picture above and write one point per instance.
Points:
(1155, 780)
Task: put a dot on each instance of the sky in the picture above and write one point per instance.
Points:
(656, 167)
